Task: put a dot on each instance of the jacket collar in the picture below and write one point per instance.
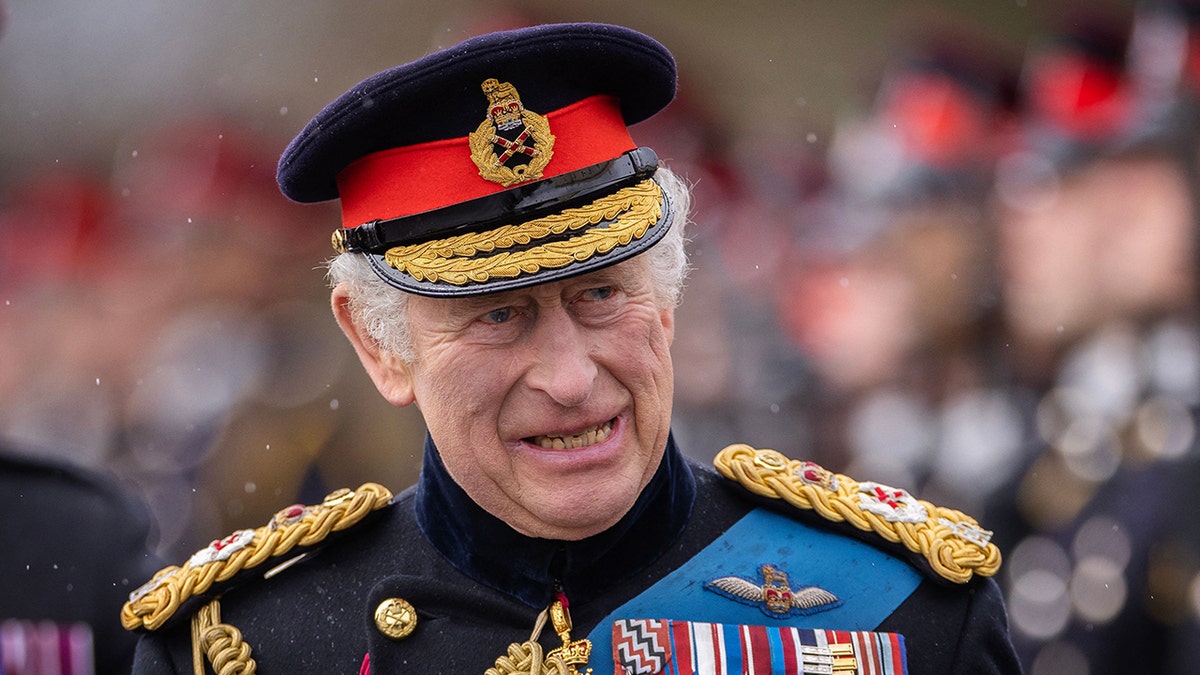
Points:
(486, 549)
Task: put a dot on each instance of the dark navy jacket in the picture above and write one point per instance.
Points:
(478, 586)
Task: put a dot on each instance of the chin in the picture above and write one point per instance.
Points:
(581, 516)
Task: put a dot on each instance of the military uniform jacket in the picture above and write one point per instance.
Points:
(693, 549)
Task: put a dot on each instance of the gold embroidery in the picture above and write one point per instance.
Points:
(507, 113)
(630, 212)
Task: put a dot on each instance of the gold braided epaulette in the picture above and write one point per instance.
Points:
(953, 543)
(297, 526)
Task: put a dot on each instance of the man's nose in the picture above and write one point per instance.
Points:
(562, 365)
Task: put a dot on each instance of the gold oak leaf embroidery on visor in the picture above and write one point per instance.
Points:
(629, 212)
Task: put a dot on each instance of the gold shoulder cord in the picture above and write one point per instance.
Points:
(220, 642)
(526, 658)
(953, 543)
(151, 605)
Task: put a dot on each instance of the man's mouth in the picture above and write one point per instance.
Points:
(583, 439)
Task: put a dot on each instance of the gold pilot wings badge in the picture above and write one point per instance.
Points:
(774, 595)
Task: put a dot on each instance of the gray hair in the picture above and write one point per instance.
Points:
(381, 309)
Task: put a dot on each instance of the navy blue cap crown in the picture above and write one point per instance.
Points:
(437, 97)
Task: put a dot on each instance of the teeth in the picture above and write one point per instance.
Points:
(590, 437)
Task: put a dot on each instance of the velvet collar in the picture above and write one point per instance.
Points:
(486, 549)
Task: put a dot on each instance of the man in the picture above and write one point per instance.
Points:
(1097, 239)
(892, 300)
(76, 544)
(509, 263)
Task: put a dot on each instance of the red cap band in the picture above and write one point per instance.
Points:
(939, 121)
(417, 178)
(1084, 98)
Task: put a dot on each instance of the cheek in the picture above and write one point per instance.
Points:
(461, 408)
(646, 341)
(453, 394)
(645, 363)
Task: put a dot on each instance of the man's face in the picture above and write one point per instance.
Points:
(549, 405)
(1114, 241)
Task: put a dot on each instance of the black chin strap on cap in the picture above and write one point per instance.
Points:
(518, 204)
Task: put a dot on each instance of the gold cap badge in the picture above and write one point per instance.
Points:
(512, 145)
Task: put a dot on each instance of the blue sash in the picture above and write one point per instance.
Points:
(868, 583)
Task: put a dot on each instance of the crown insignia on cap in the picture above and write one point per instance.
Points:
(512, 145)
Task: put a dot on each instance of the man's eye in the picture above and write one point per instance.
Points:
(498, 315)
(601, 293)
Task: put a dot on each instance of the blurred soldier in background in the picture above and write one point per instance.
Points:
(180, 358)
(229, 392)
(76, 544)
(892, 296)
(1097, 241)
(737, 383)
(76, 541)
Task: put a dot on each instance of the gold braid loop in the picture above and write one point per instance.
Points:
(629, 213)
(527, 658)
(951, 541)
(155, 602)
(220, 642)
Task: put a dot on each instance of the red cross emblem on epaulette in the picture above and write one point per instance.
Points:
(895, 505)
(222, 549)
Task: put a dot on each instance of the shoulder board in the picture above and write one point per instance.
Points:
(294, 530)
(947, 542)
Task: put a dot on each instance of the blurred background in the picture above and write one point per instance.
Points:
(948, 245)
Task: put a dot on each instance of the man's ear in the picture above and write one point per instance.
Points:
(391, 375)
(667, 316)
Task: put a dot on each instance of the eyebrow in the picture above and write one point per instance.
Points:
(460, 308)
(622, 272)
(618, 274)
